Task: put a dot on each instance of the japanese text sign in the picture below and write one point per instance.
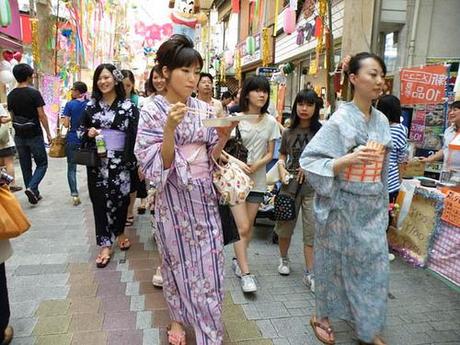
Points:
(451, 211)
(424, 85)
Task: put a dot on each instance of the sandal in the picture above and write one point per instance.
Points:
(124, 244)
(330, 340)
(104, 257)
(129, 221)
(176, 337)
(141, 210)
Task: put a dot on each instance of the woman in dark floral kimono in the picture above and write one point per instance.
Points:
(115, 118)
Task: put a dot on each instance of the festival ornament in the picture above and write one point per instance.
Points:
(8, 55)
(265, 47)
(237, 64)
(228, 57)
(235, 6)
(289, 21)
(5, 13)
(17, 56)
(6, 77)
(5, 66)
(250, 45)
(35, 43)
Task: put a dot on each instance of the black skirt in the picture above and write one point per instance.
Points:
(8, 151)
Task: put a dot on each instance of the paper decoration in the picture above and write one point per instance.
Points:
(235, 6)
(424, 85)
(289, 21)
(5, 13)
(35, 43)
(51, 90)
(275, 24)
(250, 45)
(265, 47)
(451, 211)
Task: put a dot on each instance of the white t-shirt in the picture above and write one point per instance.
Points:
(256, 137)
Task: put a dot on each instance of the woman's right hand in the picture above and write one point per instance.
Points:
(363, 155)
(283, 173)
(176, 115)
(93, 132)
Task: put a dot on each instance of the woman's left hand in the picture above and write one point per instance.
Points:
(224, 132)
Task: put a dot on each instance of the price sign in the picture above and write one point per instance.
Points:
(451, 211)
(424, 85)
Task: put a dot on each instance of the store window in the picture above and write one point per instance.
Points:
(390, 53)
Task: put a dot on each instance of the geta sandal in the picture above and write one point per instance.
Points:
(129, 221)
(315, 325)
(124, 244)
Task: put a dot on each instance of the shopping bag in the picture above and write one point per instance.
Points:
(13, 221)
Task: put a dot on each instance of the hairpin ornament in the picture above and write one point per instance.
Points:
(118, 75)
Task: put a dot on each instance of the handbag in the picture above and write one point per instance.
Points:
(13, 221)
(231, 182)
(285, 208)
(86, 155)
(235, 147)
(57, 146)
(229, 229)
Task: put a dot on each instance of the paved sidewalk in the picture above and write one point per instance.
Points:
(59, 297)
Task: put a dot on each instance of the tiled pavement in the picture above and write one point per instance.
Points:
(59, 297)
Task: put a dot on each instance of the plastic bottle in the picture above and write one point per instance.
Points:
(100, 145)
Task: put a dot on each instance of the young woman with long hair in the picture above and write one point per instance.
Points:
(259, 138)
(347, 164)
(114, 117)
(303, 126)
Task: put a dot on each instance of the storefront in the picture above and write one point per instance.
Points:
(11, 48)
(298, 49)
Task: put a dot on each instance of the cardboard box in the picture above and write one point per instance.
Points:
(412, 168)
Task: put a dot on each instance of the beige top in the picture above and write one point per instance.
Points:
(10, 143)
(5, 250)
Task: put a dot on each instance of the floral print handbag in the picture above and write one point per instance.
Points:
(231, 182)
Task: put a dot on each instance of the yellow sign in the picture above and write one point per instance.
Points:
(313, 67)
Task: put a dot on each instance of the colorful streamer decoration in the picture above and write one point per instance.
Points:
(250, 45)
(235, 6)
(237, 64)
(265, 47)
(275, 24)
(5, 13)
(35, 43)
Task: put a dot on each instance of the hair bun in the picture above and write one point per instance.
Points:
(182, 40)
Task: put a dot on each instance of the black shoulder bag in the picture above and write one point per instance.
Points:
(235, 147)
(86, 155)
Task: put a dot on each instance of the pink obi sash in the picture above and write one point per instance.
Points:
(196, 156)
(364, 172)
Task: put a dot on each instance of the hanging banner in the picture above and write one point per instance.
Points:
(424, 85)
(51, 90)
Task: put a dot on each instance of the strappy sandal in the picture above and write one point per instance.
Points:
(176, 338)
(141, 210)
(125, 244)
(129, 221)
(103, 260)
(315, 325)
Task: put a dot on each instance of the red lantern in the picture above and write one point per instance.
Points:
(289, 21)
(318, 27)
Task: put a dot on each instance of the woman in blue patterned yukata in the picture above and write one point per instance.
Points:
(175, 153)
(347, 165)
(110, 114)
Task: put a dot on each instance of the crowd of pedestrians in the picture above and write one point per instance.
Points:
(339, 174)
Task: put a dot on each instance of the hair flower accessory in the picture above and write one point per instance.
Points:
(118, 75)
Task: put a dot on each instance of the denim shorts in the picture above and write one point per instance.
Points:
(255, 197)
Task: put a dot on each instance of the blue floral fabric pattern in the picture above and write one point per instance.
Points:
(350, 248)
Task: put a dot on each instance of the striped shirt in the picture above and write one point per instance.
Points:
(398, 154)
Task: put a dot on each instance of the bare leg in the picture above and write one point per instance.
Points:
(8, 162)
(284, 243)
(241, 247)
(132, 202)
(308, 253)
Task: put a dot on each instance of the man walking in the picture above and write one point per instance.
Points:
(26, 107)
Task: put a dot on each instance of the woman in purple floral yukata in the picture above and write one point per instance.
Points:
(175, 153)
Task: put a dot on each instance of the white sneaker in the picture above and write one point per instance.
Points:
(283, 268)
(309, 281)
(248, 283)
(391, 257)
(236, 267)
(157, 279)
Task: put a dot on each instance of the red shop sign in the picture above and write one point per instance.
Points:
(424, 85)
